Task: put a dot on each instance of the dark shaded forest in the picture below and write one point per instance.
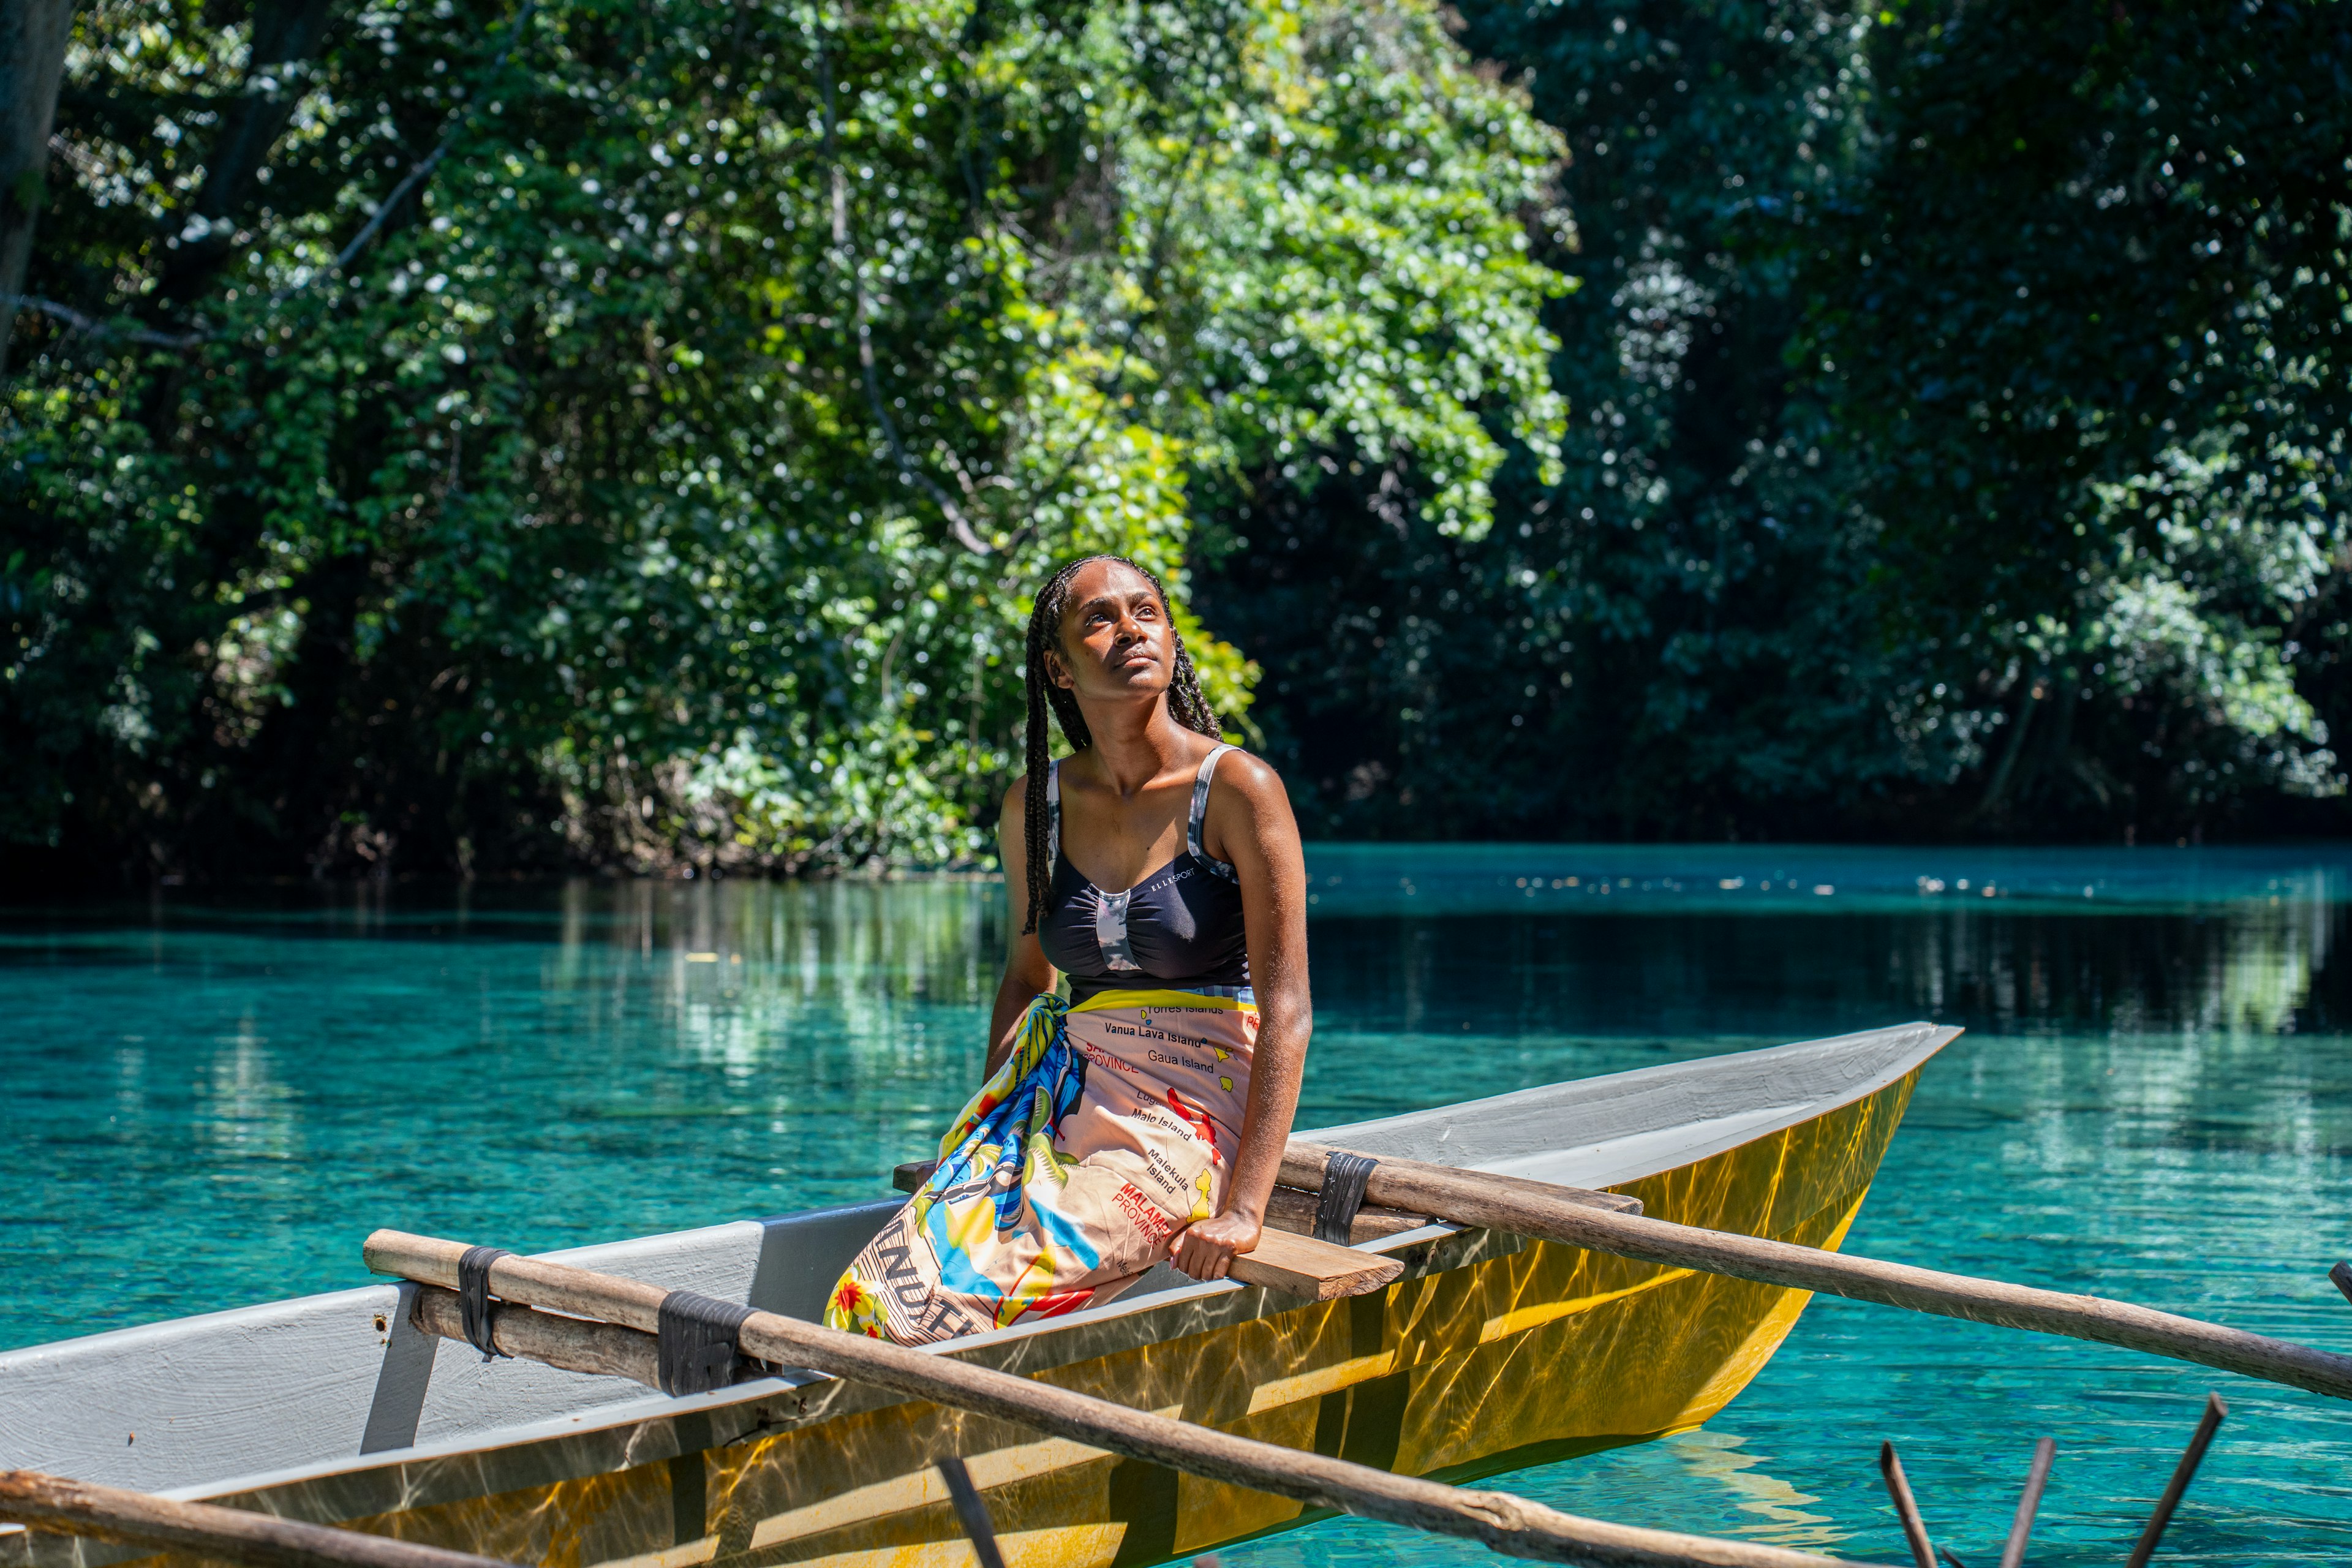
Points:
(1957, 448)
(462, 440)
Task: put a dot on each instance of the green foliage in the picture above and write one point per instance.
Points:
(1960, 444)
(2109, 395)
(1639, 648)
(621, 434)
(663, 474)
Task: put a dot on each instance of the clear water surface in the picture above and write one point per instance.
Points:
(208, 1104)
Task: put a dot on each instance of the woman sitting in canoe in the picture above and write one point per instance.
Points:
(1145, 1117)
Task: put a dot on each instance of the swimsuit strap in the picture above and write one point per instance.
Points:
(1200, 815)
(1053, 815)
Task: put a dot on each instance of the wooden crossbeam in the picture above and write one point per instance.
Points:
(1509, 1525)
(1285, 1259)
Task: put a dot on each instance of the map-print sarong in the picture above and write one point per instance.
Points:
(1110, 1127)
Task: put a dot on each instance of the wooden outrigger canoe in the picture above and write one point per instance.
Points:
(1490, 1354)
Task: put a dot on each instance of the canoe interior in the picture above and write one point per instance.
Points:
(332, 1405)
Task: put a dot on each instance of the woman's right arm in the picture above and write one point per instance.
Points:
(1026, 972)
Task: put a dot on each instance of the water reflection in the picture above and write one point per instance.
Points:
(1778, 1508)
(2239, 970)
(2150, 1102)
(246, 1110)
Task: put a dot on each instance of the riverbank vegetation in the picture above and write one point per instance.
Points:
(452, 438)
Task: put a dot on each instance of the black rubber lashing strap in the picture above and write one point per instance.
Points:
(698, 1337)
(1343, 1194)
(474, 1296)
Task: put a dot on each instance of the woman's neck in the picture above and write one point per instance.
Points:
(1135, 742)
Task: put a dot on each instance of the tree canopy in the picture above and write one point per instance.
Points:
(1958, 443)
(490, 439)
(624, 431)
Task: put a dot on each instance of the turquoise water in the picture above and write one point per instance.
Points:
(210, 1104)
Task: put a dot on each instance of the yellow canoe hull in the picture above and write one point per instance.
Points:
(1489, 1355)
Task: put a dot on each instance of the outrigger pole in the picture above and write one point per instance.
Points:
(264, 1541)
(1572, 1217)
(628, 1319)
(1411, 1193)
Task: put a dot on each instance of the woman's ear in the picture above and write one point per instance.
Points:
(1056, 672)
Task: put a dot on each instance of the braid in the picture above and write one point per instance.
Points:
(1185, 704)
(1185, 700)
(1044, 629)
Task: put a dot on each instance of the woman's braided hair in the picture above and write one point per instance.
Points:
(1185, 704)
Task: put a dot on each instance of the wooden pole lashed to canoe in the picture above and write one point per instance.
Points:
(108, 1513)
(1548, 1212)
(1507, 1524)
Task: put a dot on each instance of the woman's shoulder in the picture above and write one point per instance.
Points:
(1016, 801)
(1250, 776)
(1249, 820)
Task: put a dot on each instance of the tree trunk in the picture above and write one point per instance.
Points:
(33, 34)
(2006, 774)
(286, 35)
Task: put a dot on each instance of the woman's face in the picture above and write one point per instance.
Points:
(1116, 640)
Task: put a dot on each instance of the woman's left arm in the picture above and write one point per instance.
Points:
(1249, 826)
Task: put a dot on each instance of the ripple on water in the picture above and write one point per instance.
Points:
(210, 1105)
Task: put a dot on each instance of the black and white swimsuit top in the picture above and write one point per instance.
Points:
(1179, 927)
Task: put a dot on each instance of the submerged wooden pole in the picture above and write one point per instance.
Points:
(1566, 1214)
(108, 1513)
(1508, 1524)
(1906, 1507)
(2182, 1474)
(2028, 1502)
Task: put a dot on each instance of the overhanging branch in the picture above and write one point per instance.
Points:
(93, 326)
(424, 166)
(418, 171)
